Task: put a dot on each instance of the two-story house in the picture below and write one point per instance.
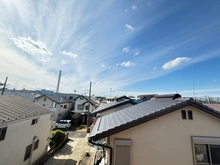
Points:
(60, 105)
(84, 107)
(24, 130)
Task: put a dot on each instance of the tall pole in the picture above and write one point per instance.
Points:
(90, 86)
(58, 82)
(4, 85)
(194, 93)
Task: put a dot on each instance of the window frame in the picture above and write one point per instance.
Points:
(201, 140)
(81, 107)
(34, 121)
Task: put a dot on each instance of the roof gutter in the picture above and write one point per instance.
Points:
(104, 146)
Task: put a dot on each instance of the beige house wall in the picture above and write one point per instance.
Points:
(167, 139)
(115, 109)
(19, 135)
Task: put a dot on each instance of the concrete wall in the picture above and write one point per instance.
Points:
(115, 109)
(19, 135)
(167, 139)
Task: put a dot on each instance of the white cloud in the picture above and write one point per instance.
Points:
(134, 7)
(137, 52)
(129, 28)
(126, 50)
(127, 64)
(174, 63)
(102, 65)
(70, 54)
(30, 46)
(63, 62)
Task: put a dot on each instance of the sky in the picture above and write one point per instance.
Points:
(122, 47)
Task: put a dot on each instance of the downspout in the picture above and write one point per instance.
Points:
(101, 145)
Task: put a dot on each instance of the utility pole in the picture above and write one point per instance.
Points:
(89, 107)
(4, 85)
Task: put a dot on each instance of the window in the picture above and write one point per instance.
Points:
(34, 121)
(44, 105)
(36, 144)
(45, 99)
(87, 107)
(206, 150)
(186, 114)
(61, 105)
(27, 152)
(190, 115)
(122, 151)
(71, 97)
(80, 107)
(183, 113)
(28, 149)
(65, 106)
(3, 133)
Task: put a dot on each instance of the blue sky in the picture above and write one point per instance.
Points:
(133, 47)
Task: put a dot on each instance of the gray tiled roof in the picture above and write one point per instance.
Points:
(105, 107)
(15, 108)
(140, 113)
(57, 98)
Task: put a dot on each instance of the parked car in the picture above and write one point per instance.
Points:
(63, 124)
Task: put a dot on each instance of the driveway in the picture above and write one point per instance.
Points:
(72, 151)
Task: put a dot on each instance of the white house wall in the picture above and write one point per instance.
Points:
(19, 135)
(59, 112)
(80, 102)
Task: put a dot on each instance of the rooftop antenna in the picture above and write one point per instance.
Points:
(4, 85)
(58, 83)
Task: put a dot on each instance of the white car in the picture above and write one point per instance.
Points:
(63, 124)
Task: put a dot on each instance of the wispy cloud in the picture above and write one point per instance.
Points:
(134, 7)
(70, 54)
(126, 50)
(129, 28)
(102, 65)
(126, 10)
(136, 52)
(149, 3)
(127, 64)
(174, 63)
(30, 46)
(63, 62)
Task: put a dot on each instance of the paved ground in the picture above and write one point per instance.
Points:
(73, 152)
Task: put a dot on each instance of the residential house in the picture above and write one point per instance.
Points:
(118, 104)
(83, 107)
(59, 105)
(24, 130)
(160, 132)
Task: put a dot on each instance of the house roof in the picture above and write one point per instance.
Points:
(57, 98)
(132, 116)
(214, 106)
(15, 108)
(105, 107)
(87, 98)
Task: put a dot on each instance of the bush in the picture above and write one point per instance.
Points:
(57, 138)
